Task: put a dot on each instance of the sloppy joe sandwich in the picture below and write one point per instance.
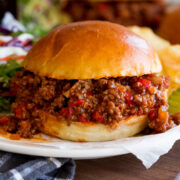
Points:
(90, 81)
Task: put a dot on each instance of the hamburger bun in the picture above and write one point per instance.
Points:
(170, 26)
(91, 50)
(86, 132)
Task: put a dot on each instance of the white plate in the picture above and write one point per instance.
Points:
(60, 148)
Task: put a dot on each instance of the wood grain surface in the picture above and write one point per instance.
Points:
(128, 167)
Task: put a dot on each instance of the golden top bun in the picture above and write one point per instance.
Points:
(92, 50)
(89, 132)
(170, 26)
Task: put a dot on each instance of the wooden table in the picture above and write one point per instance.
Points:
(128, 167)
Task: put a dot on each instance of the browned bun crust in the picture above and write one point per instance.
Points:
(92, 50)
(89, 132)
(170, 26)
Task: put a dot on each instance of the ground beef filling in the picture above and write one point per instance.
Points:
(105, 101)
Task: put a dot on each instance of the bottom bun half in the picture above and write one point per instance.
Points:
(89, 132)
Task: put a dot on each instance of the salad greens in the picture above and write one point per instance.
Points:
(36, 31)
(7, 71)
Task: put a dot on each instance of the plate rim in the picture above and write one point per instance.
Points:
(45, 150)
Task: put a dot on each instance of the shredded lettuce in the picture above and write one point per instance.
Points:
(174, 102)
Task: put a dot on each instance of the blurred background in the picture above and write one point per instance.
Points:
(40, 16)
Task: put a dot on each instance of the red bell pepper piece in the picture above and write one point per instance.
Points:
(153, 114)
(146, 83)
(129, 98)
(89, 93)
(97, 116)
(19, 110)
(78, 102)
(66, 112)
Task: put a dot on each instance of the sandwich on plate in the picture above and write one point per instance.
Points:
(90, 81)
